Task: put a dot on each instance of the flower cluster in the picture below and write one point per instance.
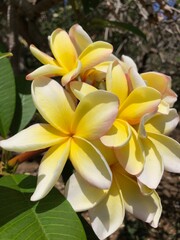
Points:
(110, 121)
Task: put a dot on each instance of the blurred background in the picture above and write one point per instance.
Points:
(148, 31)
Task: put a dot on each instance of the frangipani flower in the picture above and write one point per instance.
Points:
(68, 133)
(107, 207)
(158, 81)
(161, 151)
(74, 53)
(133, 107)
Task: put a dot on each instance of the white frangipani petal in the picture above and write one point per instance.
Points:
(50, 169)
(82, 195)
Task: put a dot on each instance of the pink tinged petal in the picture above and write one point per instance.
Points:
(54, 103)
(162, 83)
(71, 74)
(170, 97)
(108, 215)
(63, 49)
(164, 124)
(116, 81)
(118, 135)
(153, 167)
(95, 114)
(141, 101)
(135, 79)
(37, 136)
(90, 163)
(82, 195)
(156, 80)
(169, 150)
(81, 89)
(94, 54)
(50, 169)
(141, 206)
(131, 155)
(163, 107)
(154, 223)
(41, 56)
(45, 70)
(79, 38)
(141, 128)
(129, 62)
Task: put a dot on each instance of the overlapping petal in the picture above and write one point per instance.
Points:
(107, 152)
(41, 56)
(162, 83)
(79, 38)
(90, 163)
(54, 103)
(135, 79)
(153, 167)
(118, 135)
(50, 169)
(94, 54)
(45, 70)
(37, 136)
(154, 223)
(140, 205)
(116, 81)
(161, 123)
(81, 194)
(141, 100)
(169, 150)
(107, 216)
(131, 155)
(128, 63)
(81, 89)
(63, 49)
(95, 114)
(71, 74)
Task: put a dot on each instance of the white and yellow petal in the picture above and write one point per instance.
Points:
(71, 74)
(63, 49)
(41, 56)
(47, 70)
(79, 38)
(90, 163)
(116, 81)
(135, 79)
(131, 155)
(128, 63)
(161, 123)
(118, 135)
(81, 89)
(37, 136)
(82, 195)
(142, 100)
(169, 150)
(141, 206)
(50, 169)
(153, 167)
(107, 216)
(95, 114)
(54, 103)
(94, 54)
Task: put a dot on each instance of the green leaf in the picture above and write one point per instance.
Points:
(25, 108)
(52, 218)
(7, 96)
(97, 22)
